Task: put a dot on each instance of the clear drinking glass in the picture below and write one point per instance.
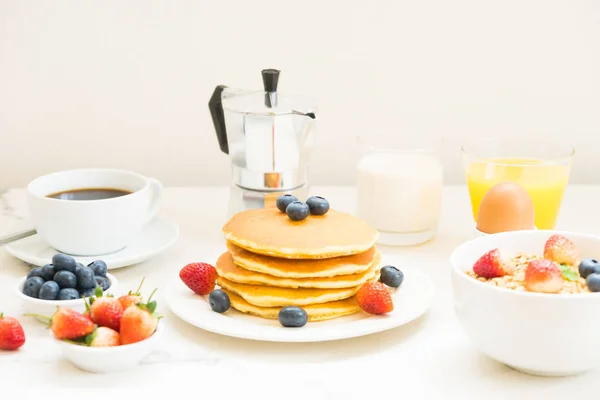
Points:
(541, 167)
(399, 187)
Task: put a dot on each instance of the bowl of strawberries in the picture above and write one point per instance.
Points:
(524, 297)
(113, 334)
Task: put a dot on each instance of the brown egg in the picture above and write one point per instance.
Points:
(505, 207)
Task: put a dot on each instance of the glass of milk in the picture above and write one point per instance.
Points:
(399, 185)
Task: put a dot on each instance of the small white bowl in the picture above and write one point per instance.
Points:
(48, 307)
(103, 360)
(536, 333)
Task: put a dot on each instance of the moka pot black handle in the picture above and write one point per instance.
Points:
(215, 105)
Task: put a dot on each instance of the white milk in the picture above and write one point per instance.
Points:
(401, 193)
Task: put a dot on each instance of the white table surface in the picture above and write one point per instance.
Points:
(428, 359)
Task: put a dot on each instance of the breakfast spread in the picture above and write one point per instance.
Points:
(557, 269)
(66, 279)
(301, 261)
(296, 262)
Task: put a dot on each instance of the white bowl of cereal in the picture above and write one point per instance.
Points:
(521, 299)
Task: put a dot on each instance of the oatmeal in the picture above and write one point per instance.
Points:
(515, 281)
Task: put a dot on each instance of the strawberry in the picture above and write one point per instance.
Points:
(106, 311)
(129, 300)
(103, 337)
(138, 322)
(69, 324)
(11, 333)
(375, 298)
(492, 265)
(132, 298)
(560, 250)
(199, 277)
(543, 276)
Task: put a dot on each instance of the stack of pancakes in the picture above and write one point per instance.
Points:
(318, 263)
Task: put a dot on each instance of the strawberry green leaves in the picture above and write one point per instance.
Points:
(568, 273)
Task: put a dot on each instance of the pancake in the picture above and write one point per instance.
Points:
(271, 232)
(229, 270)
(316, 312)
(271, 296)
(287, 268)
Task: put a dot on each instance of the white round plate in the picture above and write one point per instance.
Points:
(158, 235)
(411, 301)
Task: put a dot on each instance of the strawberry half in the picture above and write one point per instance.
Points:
(375, 298)
(199, 277)
(12, 335)
(560, 250)
(492, 265)
(543, 276)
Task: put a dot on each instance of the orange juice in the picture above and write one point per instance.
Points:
(544, 182)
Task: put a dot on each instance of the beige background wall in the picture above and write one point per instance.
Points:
(125, 83)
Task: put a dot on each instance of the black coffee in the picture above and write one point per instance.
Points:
(89, 194)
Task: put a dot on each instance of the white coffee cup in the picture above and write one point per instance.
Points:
(92, 227)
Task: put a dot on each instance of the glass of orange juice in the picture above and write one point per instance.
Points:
(541, 167)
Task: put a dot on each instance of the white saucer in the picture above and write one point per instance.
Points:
(160, 234)
(411, 300)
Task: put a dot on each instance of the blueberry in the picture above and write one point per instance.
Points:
(284, 200)
(49, 291)
(318, 205)
(32, 286)
(87, 292)
(48, 272)
(391, 276)
(37, 271)
(219, 301)
(293, 317)
(65, 279)
(99, 267)
(593, 282)
(67, 294)
(297, 211)
(78, 267)
(85, 278)
(588, 266)
(102, 281)
(63, 262)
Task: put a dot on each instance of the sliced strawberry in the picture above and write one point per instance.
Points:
(543, 276)
(560, 250)
(492, 265)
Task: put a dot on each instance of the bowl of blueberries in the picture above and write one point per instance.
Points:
(63, 283)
